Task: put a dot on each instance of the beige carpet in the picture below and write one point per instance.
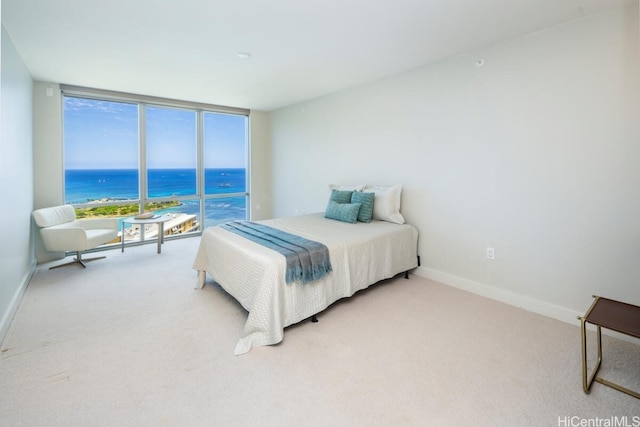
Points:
(130, 342)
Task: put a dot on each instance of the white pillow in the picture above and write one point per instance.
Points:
(358, 187)
(386, 205)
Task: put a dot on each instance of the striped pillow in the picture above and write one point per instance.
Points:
(366, 202)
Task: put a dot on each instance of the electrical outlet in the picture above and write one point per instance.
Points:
(491, 253)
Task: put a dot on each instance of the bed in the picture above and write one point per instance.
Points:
(361, 254)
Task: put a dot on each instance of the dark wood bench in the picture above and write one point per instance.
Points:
(616, 316)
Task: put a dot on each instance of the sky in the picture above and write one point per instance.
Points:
(104, 135)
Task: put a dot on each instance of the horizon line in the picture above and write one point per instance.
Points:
(129, 169)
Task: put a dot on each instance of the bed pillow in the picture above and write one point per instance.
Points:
(366, 202)
(386, 205)
(355, 187)
(346, 212)
(340, 196)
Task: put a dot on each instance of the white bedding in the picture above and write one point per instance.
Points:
(361, 255)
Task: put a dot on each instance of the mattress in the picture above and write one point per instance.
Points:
(361, 254)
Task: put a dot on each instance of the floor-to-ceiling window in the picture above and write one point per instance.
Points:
(224, 165)
(124, 156)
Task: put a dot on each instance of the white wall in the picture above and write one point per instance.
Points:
(48, 162)
(17, 259)
(260, 165)
(535, 154)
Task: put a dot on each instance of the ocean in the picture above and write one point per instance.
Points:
(84, 186)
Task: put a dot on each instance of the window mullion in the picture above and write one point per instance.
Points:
(142, 169)
(200, 162)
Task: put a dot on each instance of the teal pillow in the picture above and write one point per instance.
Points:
(340, 196)
(346, 212)
(366, 208)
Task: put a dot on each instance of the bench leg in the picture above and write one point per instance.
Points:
(587, 380)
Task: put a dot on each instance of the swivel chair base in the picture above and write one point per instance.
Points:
(77, 260)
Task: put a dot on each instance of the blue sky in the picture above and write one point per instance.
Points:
(104, 135)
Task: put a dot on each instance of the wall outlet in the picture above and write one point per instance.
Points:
(491, 253)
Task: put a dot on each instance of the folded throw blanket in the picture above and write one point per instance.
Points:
(307, 260)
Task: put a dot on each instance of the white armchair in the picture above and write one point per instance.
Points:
(61, 231)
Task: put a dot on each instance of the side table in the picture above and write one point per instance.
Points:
(616, 316)
(157, 219)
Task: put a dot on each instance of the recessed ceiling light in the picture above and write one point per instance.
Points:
(243, 55)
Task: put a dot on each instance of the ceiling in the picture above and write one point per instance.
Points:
(300, 49)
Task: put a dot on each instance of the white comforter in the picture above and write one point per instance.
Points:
(361, 254)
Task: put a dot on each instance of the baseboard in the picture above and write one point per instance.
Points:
(15, 302)
(521, 301)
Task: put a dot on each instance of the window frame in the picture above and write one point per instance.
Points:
(142, 102)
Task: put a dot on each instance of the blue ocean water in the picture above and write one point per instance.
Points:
(88, 185)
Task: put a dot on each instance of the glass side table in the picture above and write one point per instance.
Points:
(156, 219)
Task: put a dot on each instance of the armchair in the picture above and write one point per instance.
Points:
(61, 231)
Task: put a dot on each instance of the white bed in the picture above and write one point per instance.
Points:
(361, 254)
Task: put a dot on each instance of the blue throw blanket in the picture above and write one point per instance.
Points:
(307, 260)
